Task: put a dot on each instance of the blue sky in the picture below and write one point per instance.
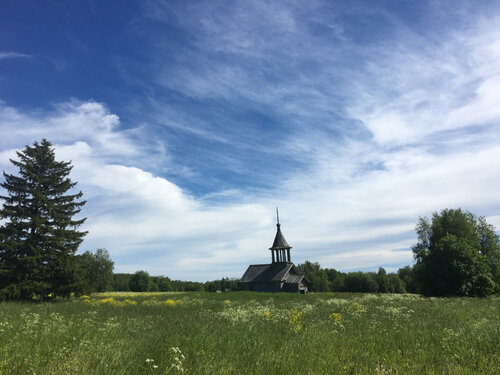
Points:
(189, 122)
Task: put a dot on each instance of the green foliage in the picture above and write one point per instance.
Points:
(38, 239)
(164, 284)
(329, 279)
(361, 282)
(336, 279)
(121, 282)
(395, 284)
(192, 286)
(95, 271)
(222, 285)
(407, 275)
(140, 282)
(457, 254)
(382, 281)
(317, 278)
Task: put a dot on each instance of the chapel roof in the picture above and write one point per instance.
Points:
(279, 240)
(280, 271)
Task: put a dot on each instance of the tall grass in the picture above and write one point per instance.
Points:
(251, 333)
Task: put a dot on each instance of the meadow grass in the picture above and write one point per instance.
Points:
(251, 333)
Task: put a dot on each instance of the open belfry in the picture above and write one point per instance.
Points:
(279, 276)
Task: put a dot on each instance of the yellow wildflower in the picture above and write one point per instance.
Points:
(336, 318)
(266, 315)
(170, 303)
(296, 320)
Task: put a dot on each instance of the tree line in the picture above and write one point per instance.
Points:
(141, 281)
(330, 280)
(456, 254)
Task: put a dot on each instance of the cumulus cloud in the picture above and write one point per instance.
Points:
(131, 211)
(88, 122)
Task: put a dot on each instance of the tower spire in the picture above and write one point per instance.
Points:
(280, 250)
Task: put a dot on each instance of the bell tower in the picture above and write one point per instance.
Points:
(280, 250)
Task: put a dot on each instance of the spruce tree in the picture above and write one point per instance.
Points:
(39, 237)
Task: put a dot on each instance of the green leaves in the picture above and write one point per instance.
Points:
(457, 254)
(95, 271)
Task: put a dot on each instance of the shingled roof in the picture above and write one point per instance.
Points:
(279, 241)
(260, 273)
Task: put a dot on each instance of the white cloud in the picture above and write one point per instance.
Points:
(81, 121)
(413, 90)
(387, 254)
(484, 108)
(130, 211)
(13, 55)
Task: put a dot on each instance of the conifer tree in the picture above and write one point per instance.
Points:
(39, 237)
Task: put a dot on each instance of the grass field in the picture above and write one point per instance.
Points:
(251, 333)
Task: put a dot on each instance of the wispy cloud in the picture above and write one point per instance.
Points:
(407, 127)
(13, 55)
